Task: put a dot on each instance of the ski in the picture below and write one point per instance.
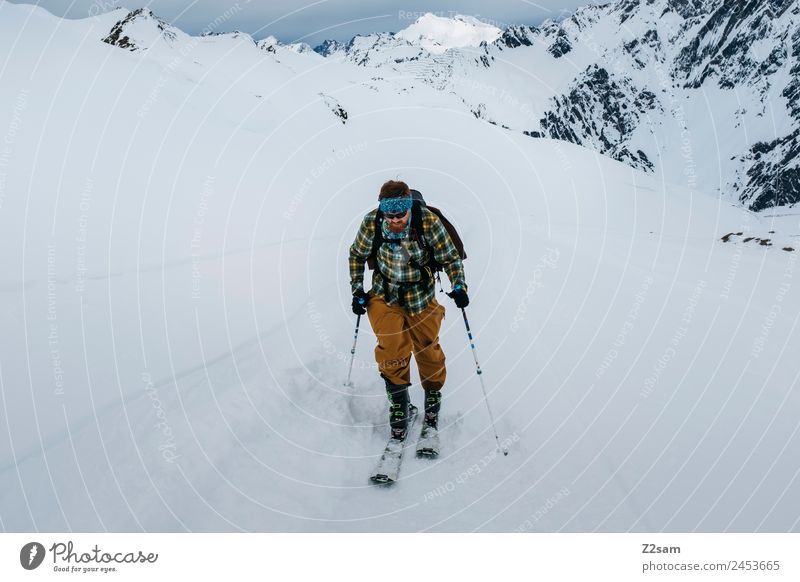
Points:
(428, 442)
(388, 468)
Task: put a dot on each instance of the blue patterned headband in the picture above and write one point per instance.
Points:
(396, 205)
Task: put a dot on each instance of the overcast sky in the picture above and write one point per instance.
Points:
(313, 21)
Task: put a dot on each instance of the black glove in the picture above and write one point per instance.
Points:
(459, 296)
(360, 300)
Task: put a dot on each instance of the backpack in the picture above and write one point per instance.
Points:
(417, 232)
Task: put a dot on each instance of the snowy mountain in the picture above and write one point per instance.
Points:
(437, 34)
(141, 29)
(176, 211)
(664, 86)
(429, 36)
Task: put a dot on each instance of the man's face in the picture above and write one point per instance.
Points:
(397, 222)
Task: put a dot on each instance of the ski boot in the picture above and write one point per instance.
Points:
(428, 443)
(433, 401)
(400, 409)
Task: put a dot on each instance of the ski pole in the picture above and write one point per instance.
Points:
(353, 351)
(480, 376)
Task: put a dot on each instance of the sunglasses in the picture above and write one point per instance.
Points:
(394, 215)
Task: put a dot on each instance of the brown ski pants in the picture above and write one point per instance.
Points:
(399, 335)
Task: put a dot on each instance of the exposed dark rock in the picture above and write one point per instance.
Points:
(119, 37)
(771, 178)
(721, 47)
(335, 107)
(328, 47)
(602, 112)
(516, 36)
(561, 45)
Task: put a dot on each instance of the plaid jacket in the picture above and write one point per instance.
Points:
(418, 297)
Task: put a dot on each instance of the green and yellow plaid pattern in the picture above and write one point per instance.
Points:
(419, 296)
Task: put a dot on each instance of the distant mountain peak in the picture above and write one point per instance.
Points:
(437, 34)
(268, 44)
(141, 29)
(328, 47)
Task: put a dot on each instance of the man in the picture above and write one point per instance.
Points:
(401, 305)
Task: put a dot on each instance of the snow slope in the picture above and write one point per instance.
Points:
(175, 225)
